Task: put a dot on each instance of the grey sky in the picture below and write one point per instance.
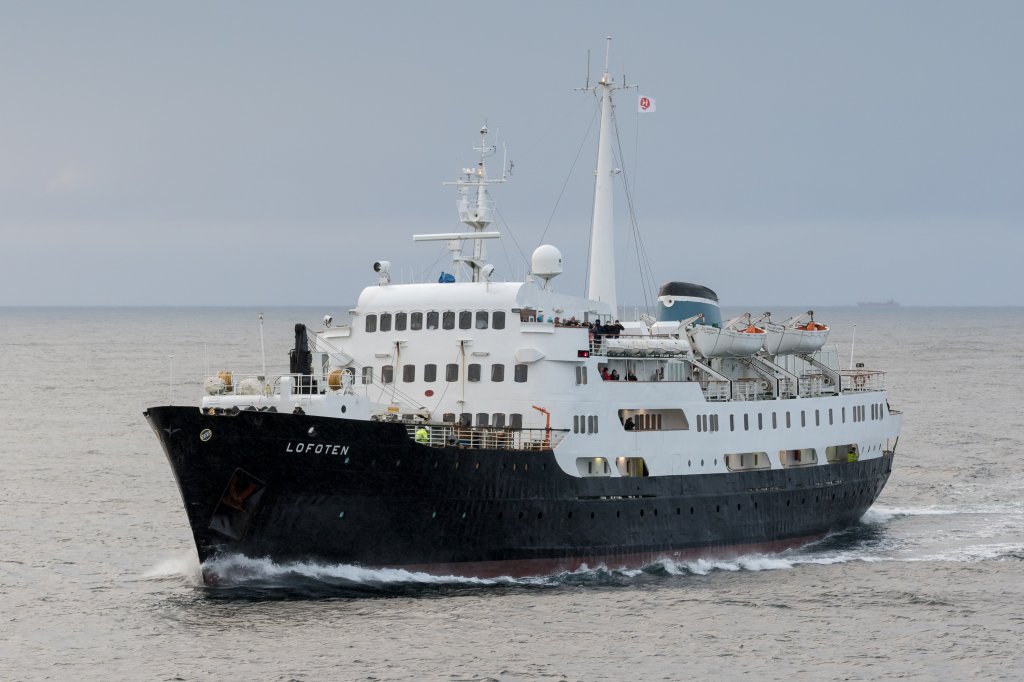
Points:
(802, 153)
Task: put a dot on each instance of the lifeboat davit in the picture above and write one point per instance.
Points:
(804, 338)
(713, 342)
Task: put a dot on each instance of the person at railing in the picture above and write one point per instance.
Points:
(631, 376)
(852, 457)
(604, 374)
(615, 329)
(629, 425)
(615, 375)
(422, 435)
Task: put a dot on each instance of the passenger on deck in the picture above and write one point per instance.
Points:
(604, 374)
(615, 375)
(631, 377)
(422, 435)
(852, 456)
(629, 425)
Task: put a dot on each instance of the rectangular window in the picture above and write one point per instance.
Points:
(409, 373)
(430, 373)
(498, 319)
(483, 419)
(714, 422)
(473, 372)
(591, 427)
(481, 319)
(497, 373)
(789, 422)
(448, 319)
(775, 420)
(575, 423)
(581, 375)
(416, 321)
(465, 319)
(499, 419)
(595, 424)
(367, 375)
(451, 372)
(371, 323)
(515, 420)
(400, 321)
(760, 421)
(387, 374)
(700, 423)
(803, 418)
(817, 417)
(746, 422)
(521, 373)
(830, 416)
(732, 422)
(385, 322)
(432, 319)
(844, 414)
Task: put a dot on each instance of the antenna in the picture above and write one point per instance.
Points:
(607, 52)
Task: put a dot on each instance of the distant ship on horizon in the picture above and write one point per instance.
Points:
(874, 304)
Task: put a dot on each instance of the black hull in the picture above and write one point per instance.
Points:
(358, 492)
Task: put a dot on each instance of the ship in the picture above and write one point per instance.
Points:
(478, 427)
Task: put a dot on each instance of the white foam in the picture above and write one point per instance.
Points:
(184, 565)
(239, 567)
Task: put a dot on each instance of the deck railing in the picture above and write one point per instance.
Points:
(485, 437)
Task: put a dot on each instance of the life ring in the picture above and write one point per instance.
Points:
(860, 380)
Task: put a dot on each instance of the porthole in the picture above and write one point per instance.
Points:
(540, 515)
(520, 514)
(717, 508)
(691, 510)
(787, 503)
(526, 466)
(739, 507)
(617, 514)
(702, 462)
(341, 515)
(641, 512)
(477, 465)
(655, 512)
(434, 515)
(398, 463)
(347, 460)
(591, 514)
(344, 409)
(678, 511)
(570, 515)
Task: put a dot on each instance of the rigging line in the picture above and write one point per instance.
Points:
(403, 396)
(569, 176)
(509, 230)
(641, 252)
(440, 255)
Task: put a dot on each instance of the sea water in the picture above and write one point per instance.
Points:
(99, 578)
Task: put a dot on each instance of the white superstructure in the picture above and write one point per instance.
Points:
(481, 361)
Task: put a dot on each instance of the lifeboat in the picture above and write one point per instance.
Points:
(712, 342)
(804, 338)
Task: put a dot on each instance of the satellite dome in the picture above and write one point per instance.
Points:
(546, 262)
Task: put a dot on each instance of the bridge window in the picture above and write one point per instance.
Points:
(789, 422)
(400, 321)
(416, 321)
(409, 373)
(473, 373)
(430, 373)
(497, 373)
(498, 319)
(817, 417)
(371, 323)
(521, 373)
(481, 319)
(830, 422)
(385, 322)
(465, 319)
(448, 319)
(387, 374)
(803, 418)
(432, 319)
(451, 372)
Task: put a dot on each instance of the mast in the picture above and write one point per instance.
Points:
(602, 231)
